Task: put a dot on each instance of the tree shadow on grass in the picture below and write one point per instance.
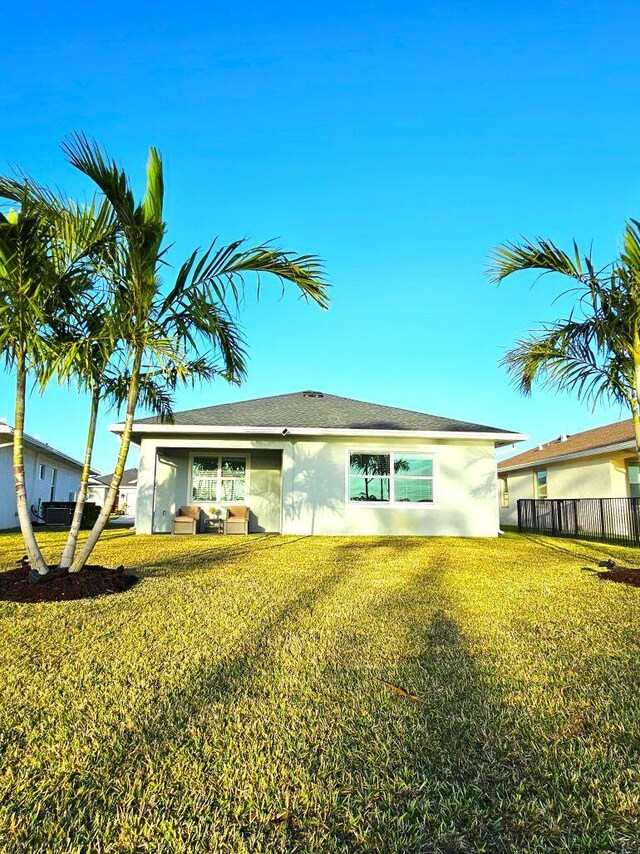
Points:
(354, 766)
(599, 549)
(458, 768)
(221, 553)
(178, 714)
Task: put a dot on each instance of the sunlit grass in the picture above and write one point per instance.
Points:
(234, 700)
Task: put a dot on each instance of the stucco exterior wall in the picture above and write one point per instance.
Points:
(465, 490)
(300, 486)
(601, 476)
(67, 481)
(8, 519)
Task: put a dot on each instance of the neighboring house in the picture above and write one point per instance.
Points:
(127, 494)
(314, 463)
(49, 475)
(599, 463)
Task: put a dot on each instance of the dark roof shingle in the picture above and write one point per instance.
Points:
(129, 478)
(318, 410)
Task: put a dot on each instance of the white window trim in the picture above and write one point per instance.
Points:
(204, 452)
(628, 464)
(408, 505)
(503, 491)
(42, 470)
(536, 485)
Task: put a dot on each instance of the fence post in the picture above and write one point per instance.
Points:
(602, 525)
(635, 519)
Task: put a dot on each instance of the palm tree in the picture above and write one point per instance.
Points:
(158, 328)
(43, 251)
(595, 351)
(85, 353)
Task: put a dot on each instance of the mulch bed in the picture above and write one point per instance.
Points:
(60, 585)
(622, 574)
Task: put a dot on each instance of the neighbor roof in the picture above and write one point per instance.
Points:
(8, 431)
(316, 410)
(129, 478)
(619, 433)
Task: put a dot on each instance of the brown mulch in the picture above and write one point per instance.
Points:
(622, 575)
(60, 585)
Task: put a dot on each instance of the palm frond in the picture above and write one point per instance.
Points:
(538, 254)
(86, 156)
(152, 203)
(567, 357)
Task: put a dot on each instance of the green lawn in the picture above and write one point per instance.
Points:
(234, 700)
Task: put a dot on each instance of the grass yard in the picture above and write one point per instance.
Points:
(234, 700)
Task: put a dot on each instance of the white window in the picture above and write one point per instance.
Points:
(42, 471)
(540, 483)
(633, 476)
(218, 478)
(54, 480)
(504, 491)
(390, 478)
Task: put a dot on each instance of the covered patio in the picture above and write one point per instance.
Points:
(210, 477)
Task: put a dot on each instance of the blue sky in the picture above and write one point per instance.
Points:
(400, 141)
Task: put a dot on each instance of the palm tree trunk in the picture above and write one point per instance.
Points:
(635, 406)
(112, 492)
(36, 559)
(72, 540)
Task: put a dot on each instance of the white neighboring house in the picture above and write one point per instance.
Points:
(314, 463)
(49, 474)
(598, 463)
(127, 495)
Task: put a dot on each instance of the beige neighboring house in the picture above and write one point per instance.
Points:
(127, 494)
(599, 463)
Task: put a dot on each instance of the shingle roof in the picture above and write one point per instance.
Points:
(7, 430)
(129, 478)
(313, 409)
(600, 437)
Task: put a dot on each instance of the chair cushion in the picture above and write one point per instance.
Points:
(240, 511)
(191, 512)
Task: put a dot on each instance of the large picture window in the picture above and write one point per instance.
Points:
(391, 478)
(218, 478)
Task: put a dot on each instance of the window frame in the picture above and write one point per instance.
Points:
(396, 452)
(42, 471)
(631, 483)
(503, 491)
(218, 502)
(536, 485)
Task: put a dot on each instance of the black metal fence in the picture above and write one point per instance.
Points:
(615, 520)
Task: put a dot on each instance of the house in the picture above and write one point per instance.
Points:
(127, 494)
(599, 463)
(313, 463)
(49, 474)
